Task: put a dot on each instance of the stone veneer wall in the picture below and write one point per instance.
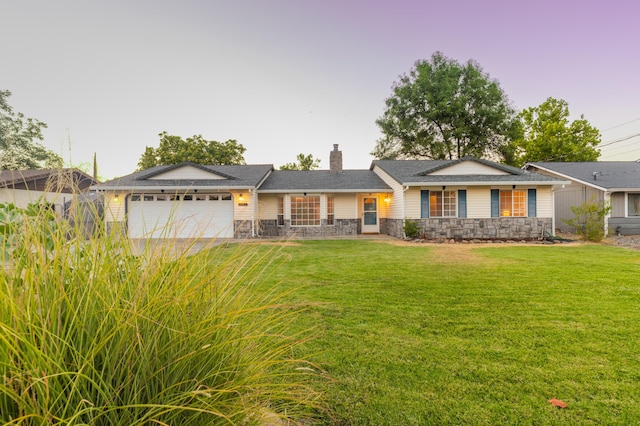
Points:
(511, 228)
(342, 227)
(242, 229)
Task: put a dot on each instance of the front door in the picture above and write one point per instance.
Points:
(370, 215)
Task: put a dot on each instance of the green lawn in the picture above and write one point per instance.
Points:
(470, 334)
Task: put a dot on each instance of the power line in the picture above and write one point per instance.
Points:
(618, 140)
(620, 125)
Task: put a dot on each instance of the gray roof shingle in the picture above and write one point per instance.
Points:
(604, 174)
(324, 180)
(419, 172)
(236, 176)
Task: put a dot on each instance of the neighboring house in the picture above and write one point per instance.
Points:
(467, 198)
(613, 182)
(461, 199)
(54, 186)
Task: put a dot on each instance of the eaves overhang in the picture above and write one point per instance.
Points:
(316, 190)
(488, 183)
(158, 188)
(565, 176)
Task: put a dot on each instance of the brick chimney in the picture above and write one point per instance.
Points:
(335, 160)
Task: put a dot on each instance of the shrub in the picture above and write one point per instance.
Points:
(589, 219)
(411, 229)
(93, 333)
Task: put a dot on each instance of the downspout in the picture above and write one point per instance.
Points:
(607, 202)
(553, 213)
(254, 202)
(404, 189)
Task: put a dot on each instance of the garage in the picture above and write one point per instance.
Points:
(180, 215)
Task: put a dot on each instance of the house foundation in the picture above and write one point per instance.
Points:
(340, 228)
(509, 228)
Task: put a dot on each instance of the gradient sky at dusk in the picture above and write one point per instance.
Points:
(285, 77)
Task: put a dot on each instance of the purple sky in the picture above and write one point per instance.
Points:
(291, 76)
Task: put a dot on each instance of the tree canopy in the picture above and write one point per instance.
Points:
(445, 110)
(305, 162)
(19, 146)
(547, 135)
(174, 150)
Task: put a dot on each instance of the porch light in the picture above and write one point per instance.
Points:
(241, 198)
(116, 198)
(387, 199)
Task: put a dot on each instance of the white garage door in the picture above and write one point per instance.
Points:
(180, 216)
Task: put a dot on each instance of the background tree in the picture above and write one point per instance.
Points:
(444, 110)
(305, 162)
(174, 150)
(19, 148)
(547, 135)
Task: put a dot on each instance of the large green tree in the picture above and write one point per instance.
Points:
(19, 146)
(445, 110)
(174, 150)
(547, 135)
(305, 162)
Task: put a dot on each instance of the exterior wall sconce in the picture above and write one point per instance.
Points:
(241, 198)
(387, 200)
(116, 198)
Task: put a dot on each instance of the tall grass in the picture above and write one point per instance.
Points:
(92, 334)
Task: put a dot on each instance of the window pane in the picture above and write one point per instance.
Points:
(506, 204)
(435, 203)
(330, 212)
(634, 204)
(519, 203)
(442, 203)
(280, 211)
(305, 211)
(449, 203)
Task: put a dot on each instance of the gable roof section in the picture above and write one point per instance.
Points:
(234, 177)
(603, 175)
(323, 181)
(422, 173)
(68, 180)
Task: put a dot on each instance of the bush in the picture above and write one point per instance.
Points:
(589, 220)
(411, 229)
(93, 333)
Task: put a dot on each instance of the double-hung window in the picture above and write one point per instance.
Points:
(280, 211)
(330, 211)
(513, 202)
(633, 208)
(442, 203)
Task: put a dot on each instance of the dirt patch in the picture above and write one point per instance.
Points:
(457, 253)
(287, 243)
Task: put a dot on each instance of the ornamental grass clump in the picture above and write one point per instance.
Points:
(93, 333)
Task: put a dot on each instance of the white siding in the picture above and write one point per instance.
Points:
(268, 207)
(242, 212)
(544, 202)
(345, 206)
(478, 202)
(394, 211)
(468, 168)
(187, 172)
(114, 210)
(412, 203)
(22, 198)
